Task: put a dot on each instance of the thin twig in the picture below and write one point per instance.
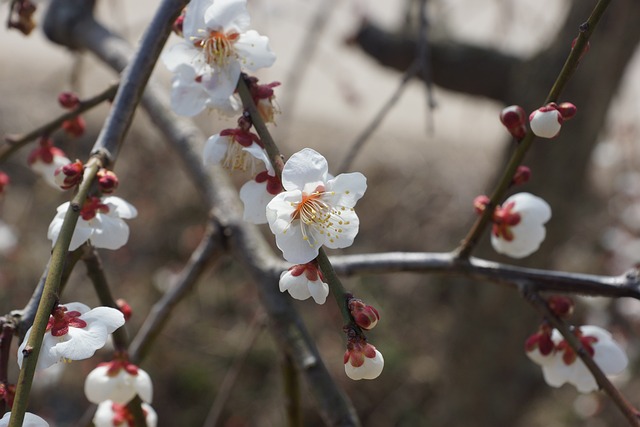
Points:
(224, 391)
(632, 414)
(358, 143)
(18, 141)
(569, 68)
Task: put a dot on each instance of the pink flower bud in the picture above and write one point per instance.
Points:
(480, 203)
(546, 121)
(514, 119)
(68, 100)
(70, 175)
(107, 181)
(74, 127)
(522, 175)
(560, 305)
(125, 308)
(568, 110)
(4, 181)
(364, 315)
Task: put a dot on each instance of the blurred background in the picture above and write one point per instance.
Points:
(453, 348)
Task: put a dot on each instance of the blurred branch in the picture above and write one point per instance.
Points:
(450, 62)
(625, 285)
(18, 141)
(224, 391)
(292, 393)
(632, 414)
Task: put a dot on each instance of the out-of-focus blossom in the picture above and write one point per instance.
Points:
(110, 414)
(118, 381)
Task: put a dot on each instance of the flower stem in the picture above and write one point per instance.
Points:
(49, 295)
(336, 288)
(570, 66)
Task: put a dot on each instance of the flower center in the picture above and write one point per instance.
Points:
(315, 213)
(503, 219)
(61, 320)
(217, 47)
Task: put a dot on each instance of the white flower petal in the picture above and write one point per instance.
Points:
(230, 15)
(305, 170)
(194, 22)
(120, 207)
(110, 318)
(215, 149)
(346, 225)
(255, 197)
(110, 232)
(318, 290)
(254, 51)
(348, 189)
(30, 420)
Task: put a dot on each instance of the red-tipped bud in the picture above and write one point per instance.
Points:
(514, 119)
(74, 127)
(4, 181)
(125, 308)
(364, 315)
(70, 175)
(584, 51)
(522, 175)
(107, 181)
(568, 110)
(480, 203)
(560, 305)
(68, 100)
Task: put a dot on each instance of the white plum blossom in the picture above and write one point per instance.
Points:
(314, 209)
(118, 381)
(304, 281)
(46, 159)
(234, 149)
(362, 361)
(74, 332)
(546, 121)
(110, 414)
(218, 44)
(258, 192)
(518, 228)
(190, 94)
(30, 420)
(101, 222)
(562, 365)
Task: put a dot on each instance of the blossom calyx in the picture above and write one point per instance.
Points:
(522, 175)
(74, 127)
(568, 110)
(514, 119)
(107, 181)
(546, 121)
(561, 305)
(365, 316)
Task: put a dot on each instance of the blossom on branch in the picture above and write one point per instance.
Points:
(74, 332)
(110, 414)
(30, 420)
(218, 44)
(46, 159)
(101, 222)
(518, 225)
(118, 381)
(304, 281)
(258, 192)
(234, 149)
(362, 361)
(314, 209)
(561, 365)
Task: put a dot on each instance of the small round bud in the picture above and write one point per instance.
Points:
(522, 175)
(480, 203)
(568, 110)
(4, 181)
(68, 100)
(364, 315)
(107, 181)
(74, 127)
(560, 305)
(546, 121)
(70, 175)
(514, 119)
(125, 308)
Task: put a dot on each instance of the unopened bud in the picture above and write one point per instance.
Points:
(546, 121)
(480, 203)
(365, 316)
(4, 181)
(107, 181)
(568, 110)
(514, 119)
(70, 175)
(522, 175)
(75, 126)
(68, 100)
(125, 308)
(560, 305)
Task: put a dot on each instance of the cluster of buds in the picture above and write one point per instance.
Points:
(75, 126)
(21, 17)
(558, 359)
(69, 175)
(545, 122)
